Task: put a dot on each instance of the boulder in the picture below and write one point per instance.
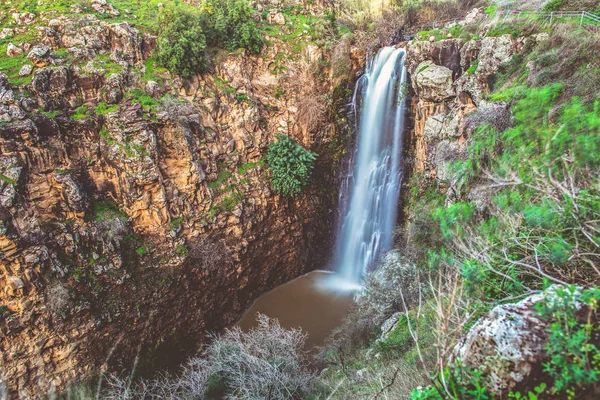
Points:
(23, 18)
(494, 52)
(40, 56)
(471, 17)
(433, 82)
(153, 89)
(446, 53)
(507, 345)
(7, 33)
(103, 7)
(26, 70)
(13, 50)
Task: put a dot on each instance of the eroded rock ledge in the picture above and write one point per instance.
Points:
(146, 223)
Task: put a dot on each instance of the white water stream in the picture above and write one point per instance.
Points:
(369, 198)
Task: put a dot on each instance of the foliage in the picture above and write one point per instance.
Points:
(553, 5)
(181, 45)
(380, 297)
(543, 221)
(107, 210)
(290, 164)
(574, 337)
(229, 23)
(268, 362)
(184, 35)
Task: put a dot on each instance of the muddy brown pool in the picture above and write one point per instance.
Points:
(306, 303)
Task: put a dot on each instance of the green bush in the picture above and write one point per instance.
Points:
(572, 344)
(291, 165)
(229, 24)
(181, 42)
(184, 35)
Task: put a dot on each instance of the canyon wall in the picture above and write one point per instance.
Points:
(450, 80)
(134, 226)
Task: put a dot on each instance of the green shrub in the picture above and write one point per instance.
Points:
(573, 337)
(107, 209)
(181, 44)
(184, 35)
(291, 165)
(473, 68)
(229, 24)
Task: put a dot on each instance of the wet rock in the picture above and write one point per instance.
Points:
(446, 53)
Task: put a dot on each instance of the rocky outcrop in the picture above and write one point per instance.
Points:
(449, 79)
(130, 224)
(507, 345)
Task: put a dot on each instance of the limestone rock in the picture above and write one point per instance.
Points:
(494, 52)
(40, 56)
(441, 126)
(26, 70)
(153, 89)
(433, 82)
(103, 7)
(13, 51)
(507, 344)
(7, 33)
(471, 17)
(389, 325)
(279, 19)
(23, 18)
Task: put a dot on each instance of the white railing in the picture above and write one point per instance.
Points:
(581, 16)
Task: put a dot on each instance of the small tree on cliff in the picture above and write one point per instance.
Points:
(181, 42)
(291, 165)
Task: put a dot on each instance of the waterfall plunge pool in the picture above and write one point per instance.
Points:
(312, 302)
(319, 301)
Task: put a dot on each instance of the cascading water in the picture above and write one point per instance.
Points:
(372, 187)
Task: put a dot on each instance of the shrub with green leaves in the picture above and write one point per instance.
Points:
(184, 35)
(542, 222)
(574, 336)
(291, 165)
(229, 24)
(181, 44)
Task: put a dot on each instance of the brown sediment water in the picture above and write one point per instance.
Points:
(304, 303)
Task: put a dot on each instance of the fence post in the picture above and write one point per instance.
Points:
(582, 15)
(551, 16)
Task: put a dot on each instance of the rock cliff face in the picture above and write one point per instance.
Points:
(449, 78)
(130, 223)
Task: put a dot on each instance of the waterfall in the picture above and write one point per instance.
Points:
(370, 192)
